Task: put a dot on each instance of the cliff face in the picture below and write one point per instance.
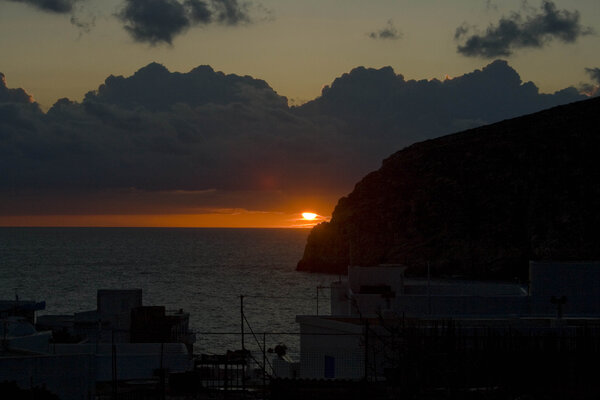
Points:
(476, 204)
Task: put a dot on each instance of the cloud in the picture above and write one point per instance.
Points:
(56, 6)
(594, 73)
(589, 89)
(199, 11)
(231, 141)
(13, 95)
(158, 130)
(159, 21)
(522, 30)
(84, 25)
(490, 5)
(395, 112)
(155, 88)
(231, 12)
(388, 32)
(154, 21)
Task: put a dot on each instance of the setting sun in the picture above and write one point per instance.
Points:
(309, 216)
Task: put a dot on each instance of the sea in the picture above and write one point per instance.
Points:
(202, 271)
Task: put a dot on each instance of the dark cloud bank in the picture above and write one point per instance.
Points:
(525, 29)
(158, 131)
(12, 95)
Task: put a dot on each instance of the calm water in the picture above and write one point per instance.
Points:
(200, 270)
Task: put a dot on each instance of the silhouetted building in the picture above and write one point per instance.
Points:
(92, 349)
(151, 324)
(374, 302)
(121, 317)
(21, 308)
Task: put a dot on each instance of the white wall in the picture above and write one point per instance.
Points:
(339, 298)
(374, 276)
(456, 306)
(134, 360)
(342, 341)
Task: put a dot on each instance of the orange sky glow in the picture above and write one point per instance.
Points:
(233, 219)
(190, 209)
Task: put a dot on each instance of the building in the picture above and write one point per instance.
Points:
(70, 355)
(21, 308)
(121, 317)
(373, 302)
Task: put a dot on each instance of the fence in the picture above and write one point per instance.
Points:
(447, 358)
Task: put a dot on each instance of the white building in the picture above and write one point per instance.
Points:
(121, 317)
(334, 346)
(72, 370)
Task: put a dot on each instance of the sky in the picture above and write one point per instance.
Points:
(306, 54)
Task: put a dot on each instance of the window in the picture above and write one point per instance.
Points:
(329, 367)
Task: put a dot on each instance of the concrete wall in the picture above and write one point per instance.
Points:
(463, 288)
(374, 276)
(37, 343)
(285, 369)
(115, 307)
(370, 304)
(462, 305)
(134, 360)
(339, 298)
(452, 305)
(343, 345)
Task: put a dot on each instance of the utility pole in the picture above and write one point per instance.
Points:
(242, 319)
(163, 385)
(428, 289)
(318, 300)
(243, 346)
(114, 367)
(4, 341)
(264, 349)
(366, 349)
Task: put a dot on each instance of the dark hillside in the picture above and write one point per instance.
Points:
(476, 204)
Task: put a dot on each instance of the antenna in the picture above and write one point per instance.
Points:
(428, 289)
(350, 251)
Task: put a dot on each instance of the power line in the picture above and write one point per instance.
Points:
(281, 297)
(260, 296)
(257, 342)
(280, 333)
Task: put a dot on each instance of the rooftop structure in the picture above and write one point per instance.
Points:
(21, 308)
(575, 288)
(121, 317)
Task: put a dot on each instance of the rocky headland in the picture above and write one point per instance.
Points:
(476, 204)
